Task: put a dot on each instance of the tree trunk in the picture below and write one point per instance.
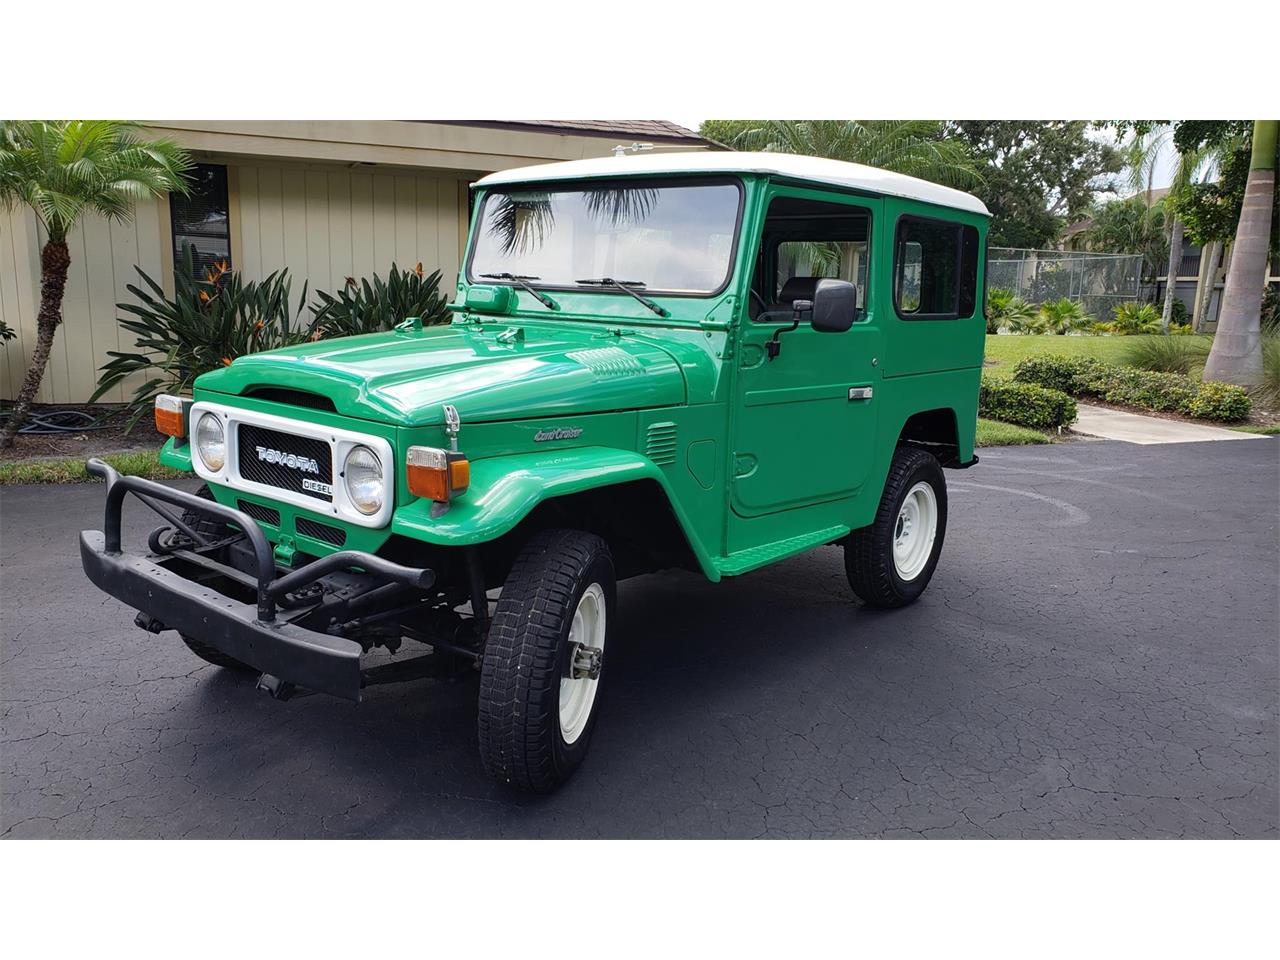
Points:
(1237, 348)
(54, 261)
(1206, 294)
(1171, 275)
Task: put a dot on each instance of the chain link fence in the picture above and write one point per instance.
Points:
(1097, 281)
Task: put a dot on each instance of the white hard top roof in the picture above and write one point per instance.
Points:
(792, 166)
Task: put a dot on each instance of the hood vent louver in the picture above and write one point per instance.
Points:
(660, 443)
(294, 398)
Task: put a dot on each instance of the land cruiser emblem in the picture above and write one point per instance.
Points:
(559, 433)
(291, 460)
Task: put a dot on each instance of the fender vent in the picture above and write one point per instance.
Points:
(660, 443)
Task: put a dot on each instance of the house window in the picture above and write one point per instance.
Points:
(200, 218)
(935, 269)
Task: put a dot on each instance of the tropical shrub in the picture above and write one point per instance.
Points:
(1005, 309)
(1270, 318)
(1026, 322)
(1128, 386)
(1025, 404)
(7, 333)
(211, 319)
(1215, 400)
(1097, 329)
(1147, 389)
(1132, 317)
(1176, 354)
(1063, 315)
(369, 307)
(1269, 389)
(1059, 372)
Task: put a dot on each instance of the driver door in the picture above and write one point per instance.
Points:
(805, 421)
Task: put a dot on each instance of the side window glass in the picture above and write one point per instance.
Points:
(909, 261)
(935, 269)
(837, 259)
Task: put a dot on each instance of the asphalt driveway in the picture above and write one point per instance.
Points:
(1098, 656)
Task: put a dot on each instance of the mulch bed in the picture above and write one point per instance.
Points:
(110, 437)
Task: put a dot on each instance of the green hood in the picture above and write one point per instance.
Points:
(496, 373)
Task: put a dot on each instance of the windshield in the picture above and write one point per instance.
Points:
(675, 239)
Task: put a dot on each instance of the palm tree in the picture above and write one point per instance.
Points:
(61, 169)
(1189, 163)
(1237, 348)
(1142, 157)
(913, 147)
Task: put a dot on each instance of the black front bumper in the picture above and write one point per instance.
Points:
(253, 633)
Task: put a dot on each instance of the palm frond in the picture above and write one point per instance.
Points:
(60, 168)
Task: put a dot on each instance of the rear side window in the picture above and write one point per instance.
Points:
(935, 269)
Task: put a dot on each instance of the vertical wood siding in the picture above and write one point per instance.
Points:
(324, 223)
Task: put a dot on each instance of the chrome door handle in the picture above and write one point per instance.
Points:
(859, 393)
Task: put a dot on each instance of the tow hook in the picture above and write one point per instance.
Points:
(584, 662)
(276, 688)
(149, 623)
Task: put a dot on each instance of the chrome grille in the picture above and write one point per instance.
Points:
(256, 469)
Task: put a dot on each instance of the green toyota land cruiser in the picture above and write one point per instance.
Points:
(712, 361)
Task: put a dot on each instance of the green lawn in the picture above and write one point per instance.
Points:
(1004, 351)
(1267, 430)
(993, 433)
(73, 471)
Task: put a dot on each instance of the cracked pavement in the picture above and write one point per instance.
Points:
(1098, 656)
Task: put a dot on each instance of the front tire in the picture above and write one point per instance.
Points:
(890, 563)
(544, 658)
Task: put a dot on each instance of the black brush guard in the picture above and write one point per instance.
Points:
(254, 634)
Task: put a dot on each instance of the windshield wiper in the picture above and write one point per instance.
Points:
(522, 281)
(626, 287)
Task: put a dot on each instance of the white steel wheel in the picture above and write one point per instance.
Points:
(577, 688)
(914, 531)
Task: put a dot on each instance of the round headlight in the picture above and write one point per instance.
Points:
(210, 442)
(362, 473)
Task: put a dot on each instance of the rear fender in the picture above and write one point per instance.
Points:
(504, 490)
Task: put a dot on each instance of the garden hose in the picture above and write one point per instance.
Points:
(58, 421)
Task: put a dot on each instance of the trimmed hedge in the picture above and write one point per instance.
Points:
(1129, 386)
(1025, 404)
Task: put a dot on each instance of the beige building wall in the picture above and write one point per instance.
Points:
(326, 199)
(327, 223)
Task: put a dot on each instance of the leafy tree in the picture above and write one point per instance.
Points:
(1036, 174)
(61, 169)
(914, 147)
(727, 131)
(1128, 226)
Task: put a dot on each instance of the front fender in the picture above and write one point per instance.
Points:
(504, 490)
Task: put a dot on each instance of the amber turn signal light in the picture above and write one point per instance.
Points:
(171, 415)
(436, 474)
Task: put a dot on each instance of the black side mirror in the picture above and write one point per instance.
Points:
(835, 306)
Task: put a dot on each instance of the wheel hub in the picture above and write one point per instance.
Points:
(915, 531)
(583, 663)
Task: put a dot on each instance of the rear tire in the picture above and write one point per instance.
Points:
(890, 563)
(536, 717)
(211, 526)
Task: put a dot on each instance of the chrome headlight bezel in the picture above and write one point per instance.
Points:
(370, 498)
(213, 423)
